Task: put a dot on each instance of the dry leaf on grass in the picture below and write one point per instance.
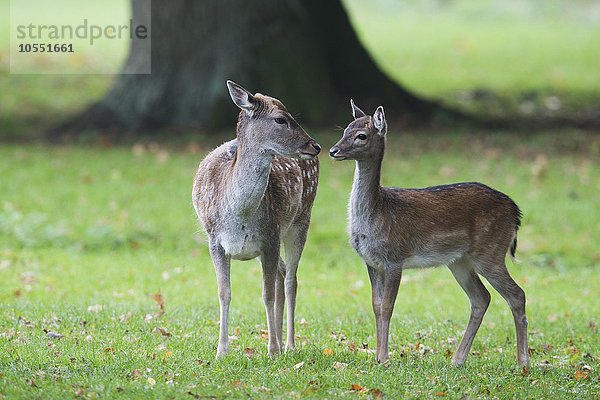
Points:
(163, 332)
(579, 375)
(340, 366)
(327, 352)
(358, 388)
(95, 308)
(160, 302)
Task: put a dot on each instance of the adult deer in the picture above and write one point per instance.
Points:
(253, 193)
(467, 226)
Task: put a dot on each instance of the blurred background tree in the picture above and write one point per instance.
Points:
(303, 52)
(530, 63)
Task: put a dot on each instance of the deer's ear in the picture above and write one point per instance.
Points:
(379, 121)
(356, 112)
(241, 97)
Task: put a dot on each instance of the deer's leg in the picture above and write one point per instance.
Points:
(376, 277)
(294, 244)
(479, 297)
(501, 280)
(280, 299)
(270, 261)
(222, 265)
(391, 283)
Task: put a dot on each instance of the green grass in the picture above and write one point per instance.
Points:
(87, 236)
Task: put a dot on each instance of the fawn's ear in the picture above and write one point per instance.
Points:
(356, 112)
(241, 97)
(379, 121)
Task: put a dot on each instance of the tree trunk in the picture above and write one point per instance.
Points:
(302, 52)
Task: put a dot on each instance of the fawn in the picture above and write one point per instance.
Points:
(253, 193)
(467, 226)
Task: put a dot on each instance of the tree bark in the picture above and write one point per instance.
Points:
(303, 52)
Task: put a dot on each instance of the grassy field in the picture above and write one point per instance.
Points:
(107, 288)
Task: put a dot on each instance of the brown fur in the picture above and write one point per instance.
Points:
(467, 226)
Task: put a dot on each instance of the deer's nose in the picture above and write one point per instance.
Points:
(333, 151)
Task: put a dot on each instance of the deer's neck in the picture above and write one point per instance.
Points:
(249, 177)
(366, 189)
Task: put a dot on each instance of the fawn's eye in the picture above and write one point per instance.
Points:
(361, 136)
(280, 121)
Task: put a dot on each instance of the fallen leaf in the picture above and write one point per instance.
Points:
(237, 331)
(440, 394)
(236, 383)
(79, 392)
(340, 366)
(264, 334)
(586, 368)
(162, 331)
(249, 352)
(160, 302)
(579, 375)
(95, 308)
(327, 352)
(135, 374)
(53, 335)
(299, 365)
(376, 393)
(151, 381)
(546, 348)
(525, 371)
(358, 388)
(352, 346)
(125, 317)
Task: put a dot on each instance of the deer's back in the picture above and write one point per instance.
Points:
(435, 225)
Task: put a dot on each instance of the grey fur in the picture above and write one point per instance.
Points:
(253, 194)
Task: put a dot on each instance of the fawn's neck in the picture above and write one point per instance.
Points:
(249, 177)
(366, 186)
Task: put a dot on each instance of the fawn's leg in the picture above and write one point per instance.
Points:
(479, 297)
(391, 283)
(222, 264)
(501, 280)
(376, 277)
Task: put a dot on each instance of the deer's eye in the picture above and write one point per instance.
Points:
(280, 121)
(361, 136)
